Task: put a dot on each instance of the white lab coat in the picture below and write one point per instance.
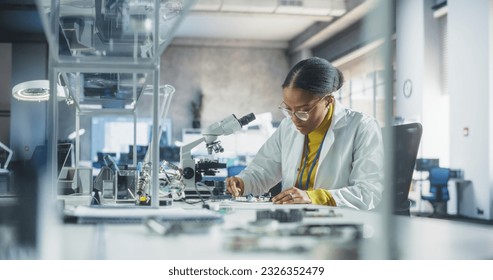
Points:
(351, 163)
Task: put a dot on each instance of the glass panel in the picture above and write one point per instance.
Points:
(115, 31)
(104, 90)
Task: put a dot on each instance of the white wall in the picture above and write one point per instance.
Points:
(468, 100)
(417, 59)
(470, 48)
(490, 61)
(436, 107)
(409, 58)
(233, 80)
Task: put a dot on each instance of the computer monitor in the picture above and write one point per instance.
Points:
(170, 153)
(141, 152)
(65, 156)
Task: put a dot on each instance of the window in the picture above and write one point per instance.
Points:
(364, 87)
(115, 135)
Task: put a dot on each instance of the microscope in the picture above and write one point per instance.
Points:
(192, 171)
(176, 179)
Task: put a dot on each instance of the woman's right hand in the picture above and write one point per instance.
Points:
(235, 186)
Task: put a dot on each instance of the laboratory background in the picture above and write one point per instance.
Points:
(120, 121)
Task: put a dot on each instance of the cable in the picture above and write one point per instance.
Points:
(198, 192)
(188, 202)
(200, 184)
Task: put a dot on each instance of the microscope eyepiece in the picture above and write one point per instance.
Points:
(246, 119)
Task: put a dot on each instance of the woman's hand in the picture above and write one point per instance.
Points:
(235, 186)
(292, 196)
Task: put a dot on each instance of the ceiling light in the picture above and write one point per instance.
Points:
(38, 90)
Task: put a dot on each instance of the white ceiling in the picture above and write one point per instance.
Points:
(256, 20)
(248, 27)
(273, 20)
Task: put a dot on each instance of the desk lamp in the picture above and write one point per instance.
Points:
(38, 90)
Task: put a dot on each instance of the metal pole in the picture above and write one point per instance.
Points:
(387, 17)
(155, 110)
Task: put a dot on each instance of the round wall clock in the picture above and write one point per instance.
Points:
(407, 88)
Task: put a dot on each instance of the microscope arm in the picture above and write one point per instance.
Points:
(188, 164)
(227, 126)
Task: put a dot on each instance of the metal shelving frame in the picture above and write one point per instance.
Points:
(104, 61)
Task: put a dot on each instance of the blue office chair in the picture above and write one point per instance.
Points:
(235, 170)
(438, 177)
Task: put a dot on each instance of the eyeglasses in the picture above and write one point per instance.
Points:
(301, 115)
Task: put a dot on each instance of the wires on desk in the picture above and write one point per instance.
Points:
(197, 184)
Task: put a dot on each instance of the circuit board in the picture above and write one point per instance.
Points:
(252, 198)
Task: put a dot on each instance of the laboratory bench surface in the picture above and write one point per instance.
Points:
(238, 236)
(239, 233)
(455, 218)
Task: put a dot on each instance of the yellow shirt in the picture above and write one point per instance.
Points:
(315, 139)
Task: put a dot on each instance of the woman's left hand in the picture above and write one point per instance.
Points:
(292, 196)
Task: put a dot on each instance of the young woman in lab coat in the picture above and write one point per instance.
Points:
(322, 152)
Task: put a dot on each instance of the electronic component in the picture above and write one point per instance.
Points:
(343, 231)
(255, 243)
(281, 215)
(126, 182)
(320, 213)
(252, 198)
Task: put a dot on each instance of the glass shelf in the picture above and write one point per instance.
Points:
(108, 91)
(106, 55)
(110, 31)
